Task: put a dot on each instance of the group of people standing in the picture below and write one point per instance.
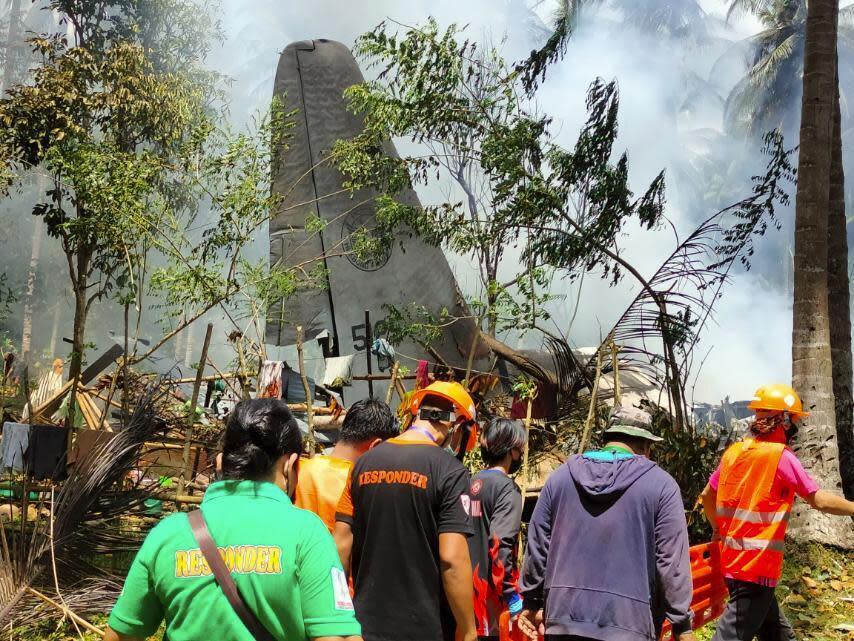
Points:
(388, 538)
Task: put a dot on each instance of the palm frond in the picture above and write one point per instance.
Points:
(748, 6)
(571, 374)
(566, 20)
(667, 315)
(82, 519)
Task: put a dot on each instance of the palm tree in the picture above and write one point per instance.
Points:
(765, 99)
(840, 306)
(767, 96)
(13, 44)
(811, 352)
(673, 18)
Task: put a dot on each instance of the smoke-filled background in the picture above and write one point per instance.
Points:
(676, 63)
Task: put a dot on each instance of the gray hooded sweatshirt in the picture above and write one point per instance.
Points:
(608, 551)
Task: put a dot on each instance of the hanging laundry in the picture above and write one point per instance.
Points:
(270, 380)
(339, 371)
(46, 453)
(16, 438)
(422, 377)
(381, 347)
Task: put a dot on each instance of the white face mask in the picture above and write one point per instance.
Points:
(455, 441)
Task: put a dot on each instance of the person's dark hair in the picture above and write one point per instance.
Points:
(499, 437)
(367, 420)
(257, 434)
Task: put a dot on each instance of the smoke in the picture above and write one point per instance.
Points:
(671, 117)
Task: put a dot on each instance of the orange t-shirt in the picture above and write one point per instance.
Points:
(320, 483)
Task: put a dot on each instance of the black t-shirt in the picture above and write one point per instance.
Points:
(402, 495)
(496, 509)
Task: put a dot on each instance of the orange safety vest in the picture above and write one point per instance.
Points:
(320, 483)
(752, 520)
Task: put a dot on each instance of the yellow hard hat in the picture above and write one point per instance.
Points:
(778, 397)
(453, 392)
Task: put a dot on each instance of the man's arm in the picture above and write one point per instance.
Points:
(343, 531)
(672, 563)
(830, 503)
(343, 535)
(455, 563)
(536, 558)
(709, 497)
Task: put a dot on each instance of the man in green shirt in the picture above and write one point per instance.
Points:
(282, 559)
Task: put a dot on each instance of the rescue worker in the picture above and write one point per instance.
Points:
(404, 521)
(496, 510)
(282, 559)
(322, 479)
(608, 545)
(747, 502)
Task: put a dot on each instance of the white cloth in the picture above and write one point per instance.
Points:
(339, 371)
(49, 384)
(270, 381)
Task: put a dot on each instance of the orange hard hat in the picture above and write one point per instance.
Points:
(778, 398)
(453, 392)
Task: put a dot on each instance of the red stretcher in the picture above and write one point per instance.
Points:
(707, 604)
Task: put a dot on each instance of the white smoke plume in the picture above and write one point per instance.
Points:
(749, 343)
(751, 340)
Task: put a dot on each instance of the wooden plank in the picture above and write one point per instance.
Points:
(101, 363)
(49, 407)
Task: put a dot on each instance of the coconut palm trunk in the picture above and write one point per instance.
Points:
(840, 306)
(13, 45)
(32, 273)
(811, 352)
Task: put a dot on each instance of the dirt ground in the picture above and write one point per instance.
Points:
(817, 594)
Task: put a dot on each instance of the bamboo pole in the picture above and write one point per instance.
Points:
(401, 390)
(191, 419)
(111, 391)
(309, 405)
(390, 391)
(369, 342)
(77, 618)
(615, 365)
(205, 379)
(178, 498)
(591, 413)
(525, 453)
(241, 357)
(384, 377)
(470, 361)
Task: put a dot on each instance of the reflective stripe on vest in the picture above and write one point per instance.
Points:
(753, 544)
(753, 511)
(752, 516)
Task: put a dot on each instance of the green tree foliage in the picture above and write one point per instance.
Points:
(151, 193)
(563, 209)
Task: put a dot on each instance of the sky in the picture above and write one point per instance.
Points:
(749, 342)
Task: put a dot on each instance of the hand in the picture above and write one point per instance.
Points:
(531, 624)
(686, 636)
